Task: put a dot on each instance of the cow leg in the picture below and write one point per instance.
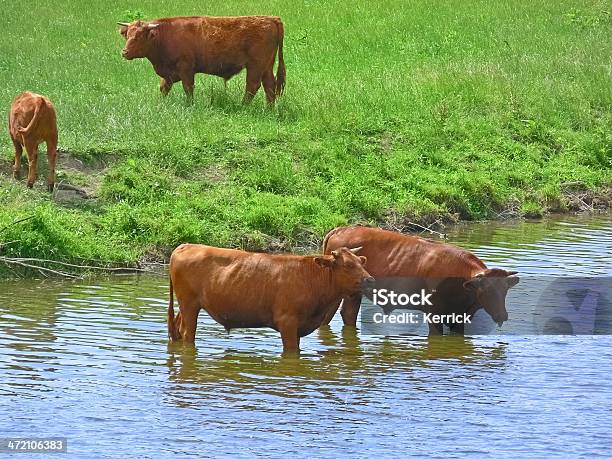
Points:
(189, 322)
(188, 80)
(51, 157)
(253, 82)
(350, 310)
(289, 335)
(32, 151)
(291, 342)
(269, 84)
(165, 86)
(458, 329)
(18, 154)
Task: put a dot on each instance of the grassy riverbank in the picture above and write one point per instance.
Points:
(394, 111)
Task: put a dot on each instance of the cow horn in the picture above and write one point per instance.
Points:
(124, 24)
(152, 26)
(512, 273)
(356, 249)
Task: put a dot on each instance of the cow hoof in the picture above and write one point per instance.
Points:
(50, 187)
(30, 185)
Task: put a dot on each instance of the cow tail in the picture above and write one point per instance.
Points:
(172, 332)
(281, 73)
(326, 239)
(34, 121)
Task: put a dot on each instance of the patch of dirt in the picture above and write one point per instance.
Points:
(75, 179)
(579, 199)
(214, 173)
(67, 160)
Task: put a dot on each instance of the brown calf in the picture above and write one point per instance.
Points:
(32, 121)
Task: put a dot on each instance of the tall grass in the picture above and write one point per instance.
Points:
(420, 109)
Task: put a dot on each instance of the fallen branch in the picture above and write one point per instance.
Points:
(66, 186)
(397, 222)
(124, 269)
(585, 206)
(40, 269)
(37, 264)
(428, 228)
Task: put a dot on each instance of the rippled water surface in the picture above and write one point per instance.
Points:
(90, 361)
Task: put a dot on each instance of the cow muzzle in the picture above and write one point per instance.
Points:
(125, 54)
(501, 319)
(368, 284)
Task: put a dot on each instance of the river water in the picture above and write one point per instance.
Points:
(90, 361)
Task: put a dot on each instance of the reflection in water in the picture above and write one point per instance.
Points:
(28, 322)
(91, 361)
(344, 363)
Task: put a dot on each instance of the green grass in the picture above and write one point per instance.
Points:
(416, 109)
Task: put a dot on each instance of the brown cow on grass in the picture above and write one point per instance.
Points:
(291, 294)
(467, 286)
(32, 121)
(180, 47)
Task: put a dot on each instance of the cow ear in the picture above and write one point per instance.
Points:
(474, 283)
(123, 31)
(152, 28)
(324, 262)
(512, 281)
(363, 260)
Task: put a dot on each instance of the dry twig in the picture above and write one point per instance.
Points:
(38, 264)
(40, 269)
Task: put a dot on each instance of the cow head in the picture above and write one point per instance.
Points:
(490, 288)
(347, 269)
(140, 38)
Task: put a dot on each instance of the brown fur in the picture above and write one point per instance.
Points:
(32, 121)
(180, 47)
(467, 282)
(291, 294)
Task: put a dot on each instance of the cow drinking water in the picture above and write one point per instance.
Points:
(463, 282)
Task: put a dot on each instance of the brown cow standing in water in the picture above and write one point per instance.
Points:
(465, 282)
(289, 293)
(32, 121)
(180, 47)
